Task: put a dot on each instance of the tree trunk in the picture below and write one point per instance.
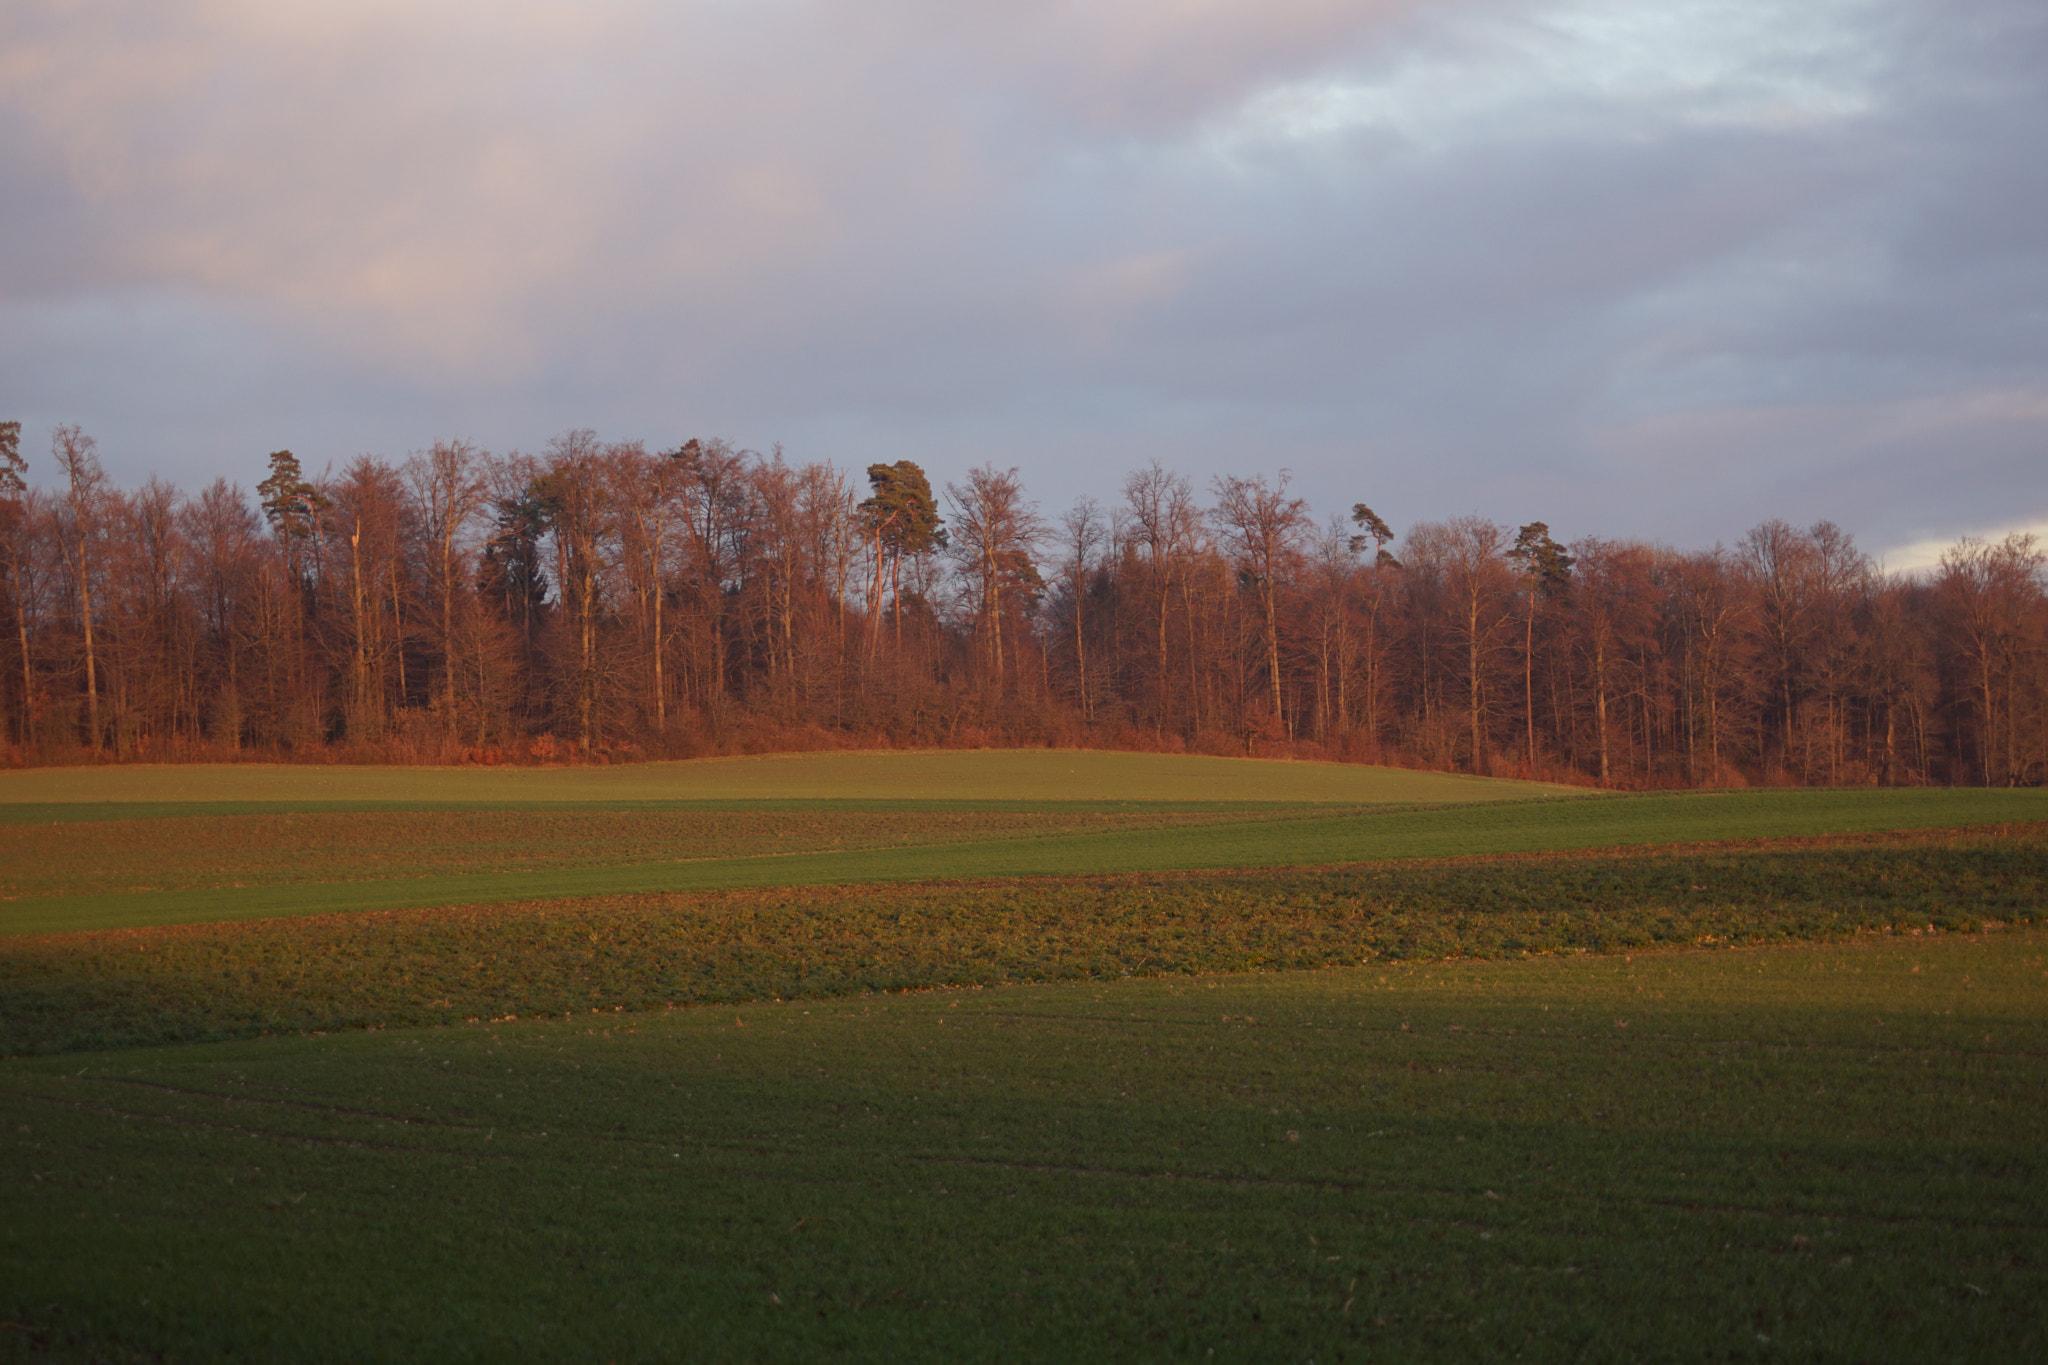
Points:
(28, 682)
(1081, 647)
(448, 615)
(1472, 677)
(361, 661)
(92, 690)
(1988, 736)
(1529, 685)
(660, 679)
(1273, 648)
(1600, 704)
(586, 699)
(1165, 602)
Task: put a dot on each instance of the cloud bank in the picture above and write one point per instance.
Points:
(1634, 270)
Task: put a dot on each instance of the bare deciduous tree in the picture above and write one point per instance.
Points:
(449, 487)
(1262, 530)
(77, 456)
(708, 599)
(1083, 532)
(1985, 591)
(994, 534)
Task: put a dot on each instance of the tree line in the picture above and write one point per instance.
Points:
(604, 601)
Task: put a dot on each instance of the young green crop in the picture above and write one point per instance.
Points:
(296, 848)
(1810, 1153)
(570, 956)
(1266, 839)
(950, 775)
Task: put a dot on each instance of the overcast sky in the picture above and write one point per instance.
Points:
(1651, 270)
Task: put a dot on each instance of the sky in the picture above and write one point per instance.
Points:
(1653, 271)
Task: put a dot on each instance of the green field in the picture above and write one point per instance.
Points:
(1818, 1153)
(568, 957)
(81, 867)
(647, 1062)
(950, 775)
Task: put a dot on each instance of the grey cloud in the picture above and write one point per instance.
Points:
(1041, 235)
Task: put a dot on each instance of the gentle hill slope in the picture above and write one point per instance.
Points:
(1317, 839)
(945, 775)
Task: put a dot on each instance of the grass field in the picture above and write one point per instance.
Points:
(281, 863)
(950, 775)
(298, 847)
(574, 955)
(520, 1096)
(1813, 1153)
